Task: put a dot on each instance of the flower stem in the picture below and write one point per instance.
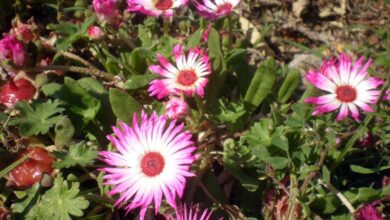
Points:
(166, 26)
(342, 198)
(230, 40)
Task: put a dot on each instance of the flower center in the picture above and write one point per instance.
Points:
(187, 77)
(163, 4)
(346, 93)
(152, 164)
(224, 8)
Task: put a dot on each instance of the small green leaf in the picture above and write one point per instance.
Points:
(78, 154)
(32, 196)
(63, 201)
(51, 89)
(278, 163)
(123, 105)
(144, 36)
(248, 182)
(112, 66)
(279, 140)
(194, 39)
(37, 119)
(64, 132)
(139, 81)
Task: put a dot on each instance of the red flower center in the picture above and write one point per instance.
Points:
(224, 8)
(152, 164)
(187, 77)
(163, 4)
(346, 93)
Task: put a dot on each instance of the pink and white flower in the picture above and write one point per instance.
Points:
(152, 162)
(348, 85)
(184, 213)
(106, 10)
(188, 76)
(155, 7)
(213, 9)
(176, 108)
(11, 49)
(95, 32)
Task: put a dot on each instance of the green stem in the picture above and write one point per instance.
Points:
(342, 198)
(230, 40)
(166, 26)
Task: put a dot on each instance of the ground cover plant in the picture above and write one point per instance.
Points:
(194, 109)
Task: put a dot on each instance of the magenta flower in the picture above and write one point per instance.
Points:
(153, 160)
(190, 213)
(188, 76)
(386, 97)
(368, 212)
(155, 7)
(348, 84)
(11, 49)
(176, 108)
(95, 32)
(105, 9)
(213, 9)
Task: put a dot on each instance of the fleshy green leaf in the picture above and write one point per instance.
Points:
(139, 81)
(123, 105)
(261, 84)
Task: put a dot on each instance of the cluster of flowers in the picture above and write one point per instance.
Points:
(154, 155)
(14, 56)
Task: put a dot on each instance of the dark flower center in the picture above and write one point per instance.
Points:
(187, 77)
(152, 164)
(346, 93)
(224, 8)
(163, 4)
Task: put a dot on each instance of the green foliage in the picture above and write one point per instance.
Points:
(37, 118)
(289, 85)
(77, 154)
(123, 105)
(64, 132)
(139, 81)
(62, 199)
(261, 84)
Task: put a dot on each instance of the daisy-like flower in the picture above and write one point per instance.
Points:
(348, 84)
(176, 108)
(184, 213)
(188, 76)
(105, 9)
(213, 9)
(152, 162)
(155, 7)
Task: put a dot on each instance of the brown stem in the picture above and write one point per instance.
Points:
(83, 70)
(78, 59)
(313, 173)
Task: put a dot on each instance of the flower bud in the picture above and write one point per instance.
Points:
(12, 50)
(23, 32)
(95, 32)
(14, 91)
(176, 108)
